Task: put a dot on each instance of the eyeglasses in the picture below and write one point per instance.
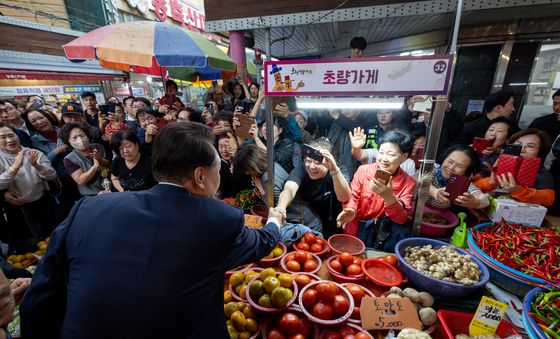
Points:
(527, 146)
(309, 162)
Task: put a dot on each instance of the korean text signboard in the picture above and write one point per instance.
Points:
(427, 75)
(388, 314)
(189, 13)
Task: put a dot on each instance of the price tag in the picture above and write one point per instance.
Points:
(388, 313)
(488, 316)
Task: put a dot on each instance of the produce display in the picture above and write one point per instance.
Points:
(325, 301)
(238, 281)
(241, 319)
(300, 261)
(345, 332)
(411, 333)
(346, 264)
(434, 219)
(24, 260)
(271, 289)
(545, 309)
(532, 250)
(275, 253)
(443, 263)
(303, 280)
(312, 243)
(357, 292)
(421, 300)
(290, 324)
(485, 336)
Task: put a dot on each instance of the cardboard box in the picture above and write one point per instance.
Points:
(516, 212)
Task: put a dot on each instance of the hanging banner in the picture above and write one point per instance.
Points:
(31, 90)
(423, 75)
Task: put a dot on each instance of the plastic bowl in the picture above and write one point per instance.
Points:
(241, 268)
(368, 293)
(341, 278)
(271, 309)
(274, 261)
(381, 273)
(349, 324)
(432, 285)
(315, 257)
(270, 323)
(427, 228)
(234, 294)
(339, 243)
(506, 277)
(311, 275)
(260, 210)
(332, 322)
(454, 323)
(531, 324)
(321, 254)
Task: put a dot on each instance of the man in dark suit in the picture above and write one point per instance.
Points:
(147, 264)
(550, 123)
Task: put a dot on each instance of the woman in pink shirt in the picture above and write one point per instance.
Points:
(372, 198)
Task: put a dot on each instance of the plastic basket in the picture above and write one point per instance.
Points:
(339, 243)
(455, 323)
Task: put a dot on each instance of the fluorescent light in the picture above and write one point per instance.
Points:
(531, 84)
(349, 103)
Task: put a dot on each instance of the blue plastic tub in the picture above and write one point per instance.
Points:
(506, 277)
(531, 325)
(432, 285)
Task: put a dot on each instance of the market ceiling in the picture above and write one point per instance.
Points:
(324, 28)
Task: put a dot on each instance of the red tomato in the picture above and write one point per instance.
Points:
(305, 326)
(309, 298)
(303, 246)
(310, 265)
(331, 334)
(293, 266)
(275, 334)
(336, 265)
(349, 336)
(357, 261)
(354, 270)
(300, 256)
(321, 241)
(316, 248)
(356, 313)
(390, 259)
(289, 323)
(323, 311)
(362, 335)
(297, 336)
(302, 280)
(326, 291)
(345, 259)
(340, 304)
(346, 330)
(310, 238)
(357, 293)
(290, 257)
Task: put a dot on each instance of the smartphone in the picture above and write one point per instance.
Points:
(456, 186)
(513, 149)
(210, 108)
(37, 104)
(480, 144)
(246, 123)
(418, 157)
(381, 174)
(311, 152)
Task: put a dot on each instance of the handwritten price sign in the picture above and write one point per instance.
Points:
(388, 313)
(488, 316)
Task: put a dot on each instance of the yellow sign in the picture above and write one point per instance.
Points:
(488, 316)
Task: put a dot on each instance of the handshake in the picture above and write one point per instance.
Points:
(278, 213)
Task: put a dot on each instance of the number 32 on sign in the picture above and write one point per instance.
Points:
(388, 313)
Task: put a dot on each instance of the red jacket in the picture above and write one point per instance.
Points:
(368, 205)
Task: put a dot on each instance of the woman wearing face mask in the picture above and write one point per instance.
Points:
(372, 198)
(457, 160)
(131, 170)
(535, 144)
(23, 174)
(86, 164)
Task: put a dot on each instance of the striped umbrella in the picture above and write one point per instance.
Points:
(150, 47)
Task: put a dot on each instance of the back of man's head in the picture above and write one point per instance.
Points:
(499, 98)
(180, 148)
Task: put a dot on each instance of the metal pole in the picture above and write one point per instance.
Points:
(269, 131)
(438, 109)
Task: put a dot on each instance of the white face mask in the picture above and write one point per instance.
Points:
(78, 144)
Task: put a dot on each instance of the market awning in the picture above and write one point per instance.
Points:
(39, 75)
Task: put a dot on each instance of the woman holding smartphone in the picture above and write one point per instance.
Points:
(382, 189)
(86, 164)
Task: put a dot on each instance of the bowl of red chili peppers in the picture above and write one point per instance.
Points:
(541, 312)
(519, 257)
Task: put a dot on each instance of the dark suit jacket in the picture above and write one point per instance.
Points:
(146, 264)
(548, 123)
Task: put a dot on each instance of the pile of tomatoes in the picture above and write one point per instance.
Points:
(357, 293)
(310, 242)
(345, 332)
(346, 264)
(325, 301)
(292, 325)
(300, 261)
(303, 280)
